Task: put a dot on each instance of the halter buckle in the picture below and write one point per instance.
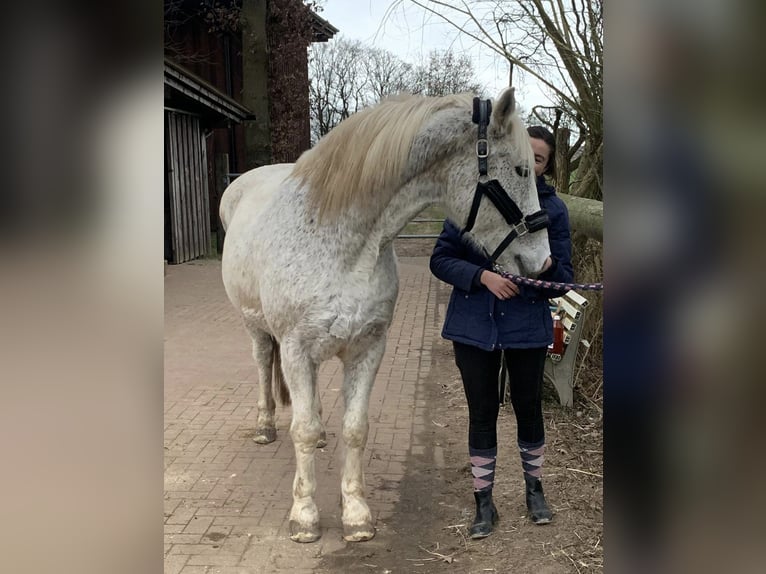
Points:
(482, 148)
(521, 228)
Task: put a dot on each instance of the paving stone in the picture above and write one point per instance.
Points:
(227, 499)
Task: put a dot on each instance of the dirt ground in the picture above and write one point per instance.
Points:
(428, 531)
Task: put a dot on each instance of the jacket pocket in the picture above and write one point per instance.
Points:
(468, 318)
(514, 321)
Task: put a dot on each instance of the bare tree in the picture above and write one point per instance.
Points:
(446, 73)
(337, 83)
(346, 76)
(560, 44)
(387, 74)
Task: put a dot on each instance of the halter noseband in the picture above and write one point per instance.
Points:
(493, 189)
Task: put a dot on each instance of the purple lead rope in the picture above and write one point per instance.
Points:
(552, 285)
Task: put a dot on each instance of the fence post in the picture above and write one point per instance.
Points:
(562, 160)
(221, 171)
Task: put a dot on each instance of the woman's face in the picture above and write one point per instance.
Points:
(542, 155)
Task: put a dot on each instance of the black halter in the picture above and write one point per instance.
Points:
(520, 224)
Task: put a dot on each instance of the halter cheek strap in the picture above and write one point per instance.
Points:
(482, 109)
(519, 223)
(493, 189)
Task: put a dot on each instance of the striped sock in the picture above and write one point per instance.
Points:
(483, 467)
(532, 457)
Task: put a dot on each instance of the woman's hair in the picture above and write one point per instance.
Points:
(541, 133)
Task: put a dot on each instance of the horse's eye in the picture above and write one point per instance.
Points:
(522, 170)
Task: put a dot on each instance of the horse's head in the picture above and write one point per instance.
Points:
(509, 175)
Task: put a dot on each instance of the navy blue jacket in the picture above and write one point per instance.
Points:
(475, 316)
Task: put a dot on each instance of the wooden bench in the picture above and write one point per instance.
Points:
(559, 368)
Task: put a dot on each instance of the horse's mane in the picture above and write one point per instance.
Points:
(363, 159)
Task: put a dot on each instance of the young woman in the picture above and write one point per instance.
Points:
(519, 325)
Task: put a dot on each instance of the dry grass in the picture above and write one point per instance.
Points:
(589, 377)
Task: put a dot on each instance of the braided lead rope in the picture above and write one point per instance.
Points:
(552, 285)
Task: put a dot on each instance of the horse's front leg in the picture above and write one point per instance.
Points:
(360, 368)
(306, 429)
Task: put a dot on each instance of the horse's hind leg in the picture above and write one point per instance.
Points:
(306, 429)
(263, 354)
(360, 368)
(322, 442)
(263, 349)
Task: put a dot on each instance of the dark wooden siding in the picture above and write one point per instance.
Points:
(188, 186)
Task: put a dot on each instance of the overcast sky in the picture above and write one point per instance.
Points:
(411, 35)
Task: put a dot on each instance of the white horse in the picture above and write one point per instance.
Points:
(309, 261)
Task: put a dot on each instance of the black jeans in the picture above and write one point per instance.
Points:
(479, 370)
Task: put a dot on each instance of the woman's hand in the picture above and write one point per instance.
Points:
(500, 287)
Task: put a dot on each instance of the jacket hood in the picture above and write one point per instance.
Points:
(451, 227)
(543, 188)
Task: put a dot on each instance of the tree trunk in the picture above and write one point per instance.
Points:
(587, 179)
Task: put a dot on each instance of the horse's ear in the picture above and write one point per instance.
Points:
(503, 107)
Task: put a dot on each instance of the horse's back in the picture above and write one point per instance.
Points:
(258, 184)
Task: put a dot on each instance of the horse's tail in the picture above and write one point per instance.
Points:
(278, 385)
(229, 201)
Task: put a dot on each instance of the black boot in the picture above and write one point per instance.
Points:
(486, 515)
(538, 509)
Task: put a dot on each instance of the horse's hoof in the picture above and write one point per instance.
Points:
(358, 532)
(322, 442)
(300, 533)
(265, 435)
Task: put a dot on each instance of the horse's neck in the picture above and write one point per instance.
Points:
(403, 207)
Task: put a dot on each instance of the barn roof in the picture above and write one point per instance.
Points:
(202, 96)
(322, 29)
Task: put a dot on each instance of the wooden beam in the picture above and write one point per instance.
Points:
(585, 215)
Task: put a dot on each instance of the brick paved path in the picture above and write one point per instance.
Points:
(226, 498)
